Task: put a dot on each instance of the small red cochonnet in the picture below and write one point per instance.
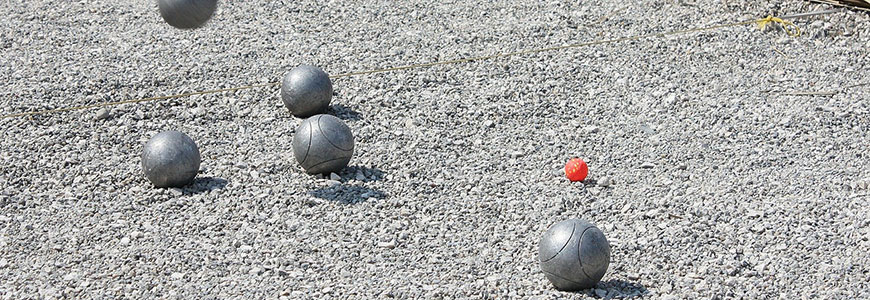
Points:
(576, 169)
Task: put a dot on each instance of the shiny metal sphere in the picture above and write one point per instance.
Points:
(574, 255)
(323, 144)
(306, 91)
(170, 159)
(186, 14)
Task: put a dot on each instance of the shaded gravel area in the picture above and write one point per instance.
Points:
(712, 173)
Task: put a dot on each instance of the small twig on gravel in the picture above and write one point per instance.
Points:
(780, 52)
(810, 14)
(843, 4)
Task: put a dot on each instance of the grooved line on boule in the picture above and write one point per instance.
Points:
(563, 278)
(308, 148)
(331, 160)
(326, 137)
(573, 229)
(580, 247)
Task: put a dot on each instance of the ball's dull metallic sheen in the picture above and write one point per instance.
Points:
(306, 91)
(186, 14)
(574, 255)
(170, 159)
(323, 144)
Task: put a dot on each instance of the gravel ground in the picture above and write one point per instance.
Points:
(707, 179)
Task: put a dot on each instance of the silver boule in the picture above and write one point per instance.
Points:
(170, 159)
(323, 144)
(186, 14)
(306, 91)
(574, 255)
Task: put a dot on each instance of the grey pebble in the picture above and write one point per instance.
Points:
(101, 114)
(605, 181)
(600, 293)
(594, 191)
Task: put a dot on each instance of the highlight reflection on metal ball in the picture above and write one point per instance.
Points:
(170, 159)
(323, 144)
(186, 14)
(574, 255)
(306, 91)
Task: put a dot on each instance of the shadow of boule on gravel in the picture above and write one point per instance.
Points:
(344, 112)
(205, 184)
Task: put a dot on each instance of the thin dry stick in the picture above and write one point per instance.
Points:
(850, 4)
(780, 52)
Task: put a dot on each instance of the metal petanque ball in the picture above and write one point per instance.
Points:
(170, 159)
(323, 144)
(186, 14)
(574, 255)
(306, 91)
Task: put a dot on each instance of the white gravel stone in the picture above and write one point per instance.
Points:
(71, 276)
(605, 181)
(176, 192)
(591, 129)
(388, 245)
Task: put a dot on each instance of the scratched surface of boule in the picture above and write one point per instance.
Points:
(719, 185)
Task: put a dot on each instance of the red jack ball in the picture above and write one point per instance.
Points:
(576, 169)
